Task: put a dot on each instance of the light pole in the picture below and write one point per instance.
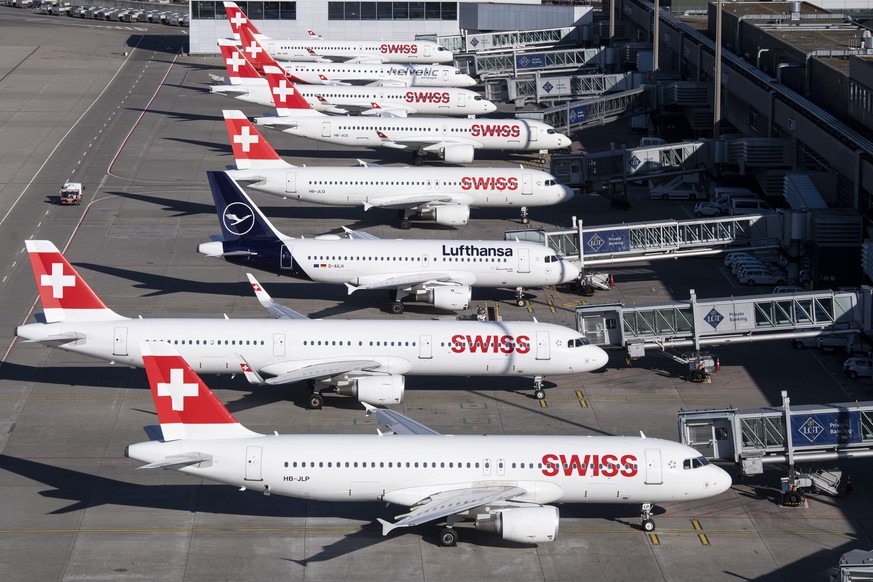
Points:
(716, 106)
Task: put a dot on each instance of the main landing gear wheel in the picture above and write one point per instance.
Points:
(396, 307)
(648, 525)
(314, 401)
(519, 296)
(405, 223)
(540, 394)
(448, 537)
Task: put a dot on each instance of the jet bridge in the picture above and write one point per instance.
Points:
(526, 62)
(697, 323)
(756, 437)
(552, 88)
(593, 111)
(617, 243)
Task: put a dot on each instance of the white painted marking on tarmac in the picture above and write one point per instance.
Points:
(4, 278)
(38, 224)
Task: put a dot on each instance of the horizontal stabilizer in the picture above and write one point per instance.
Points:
(58, 339)
(176, 461)
(387, 526)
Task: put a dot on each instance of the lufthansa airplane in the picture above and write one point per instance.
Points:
(366, 359)
(249, 86)
(506, 484)
(442, 194)
(454, 140)
(439, 272)
(398, 74)
(357, 51)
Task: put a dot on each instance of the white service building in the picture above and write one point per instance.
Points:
(341, 19)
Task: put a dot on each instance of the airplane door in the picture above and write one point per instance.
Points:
(526, 186)
(533, 131)
(279, 345)
(291, 182)
(524, 261)
(462, 99)
(653, 467)
(445, 76)
(119, 344)
(253, 463)
(286, 260)
(325, 129)
(427, 49)
(543, 348)
(425, 349)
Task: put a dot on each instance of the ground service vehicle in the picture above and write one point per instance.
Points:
(71, 193)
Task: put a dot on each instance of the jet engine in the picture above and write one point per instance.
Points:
(458, 153)
(450, 298)
(386, 389)
(528, 525)
(451, 214)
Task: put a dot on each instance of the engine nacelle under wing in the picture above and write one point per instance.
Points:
(527, 525)
(380, 389)
(450, 297)
(458, 154)
(451, 214)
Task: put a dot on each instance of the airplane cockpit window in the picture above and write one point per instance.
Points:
(477, 98)
(577, 342)
(695, 463)
(550, 131)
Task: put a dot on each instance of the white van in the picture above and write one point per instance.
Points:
(741, 206)
(686, 187)
(855, 367)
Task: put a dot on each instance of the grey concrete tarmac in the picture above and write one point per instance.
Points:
(140, 131)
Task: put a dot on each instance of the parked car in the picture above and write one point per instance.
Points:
(760, 276)
(702, 209)
(751, 262)
(858, 366)
(788, 289)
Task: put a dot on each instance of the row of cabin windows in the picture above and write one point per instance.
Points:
(389, 183)
(319, 93)
(404, 128)
(396, 70)
(435, 259)
(447, 465)
(212, 342)
(360, 343)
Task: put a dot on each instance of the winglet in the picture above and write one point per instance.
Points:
(277, 310)
(387, 526)
(351, 288)
(251, 376)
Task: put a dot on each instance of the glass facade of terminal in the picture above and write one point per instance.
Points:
(392, 10)
(210, 10)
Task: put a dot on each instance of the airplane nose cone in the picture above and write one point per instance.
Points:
(490, 107)
(564, 141)
(468, 81)
(601, 359)
(567, 193)
(722, 481)
(571, 272)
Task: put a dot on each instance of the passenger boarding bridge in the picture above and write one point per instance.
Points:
(507, 40)
(756, 437)
(537, 89)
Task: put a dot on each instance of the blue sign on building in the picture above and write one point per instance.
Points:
(530, 61)
(578, 114)
(826, 428)
(605, 241)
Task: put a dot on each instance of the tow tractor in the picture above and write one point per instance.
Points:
(71, 193)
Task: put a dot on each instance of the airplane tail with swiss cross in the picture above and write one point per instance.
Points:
(250, 150)
(64, 294)
(288, 100)
(239, 70)
(186, 407)
(238, 21)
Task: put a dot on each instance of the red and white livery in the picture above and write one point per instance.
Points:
(367, 359)
(505, 484)
(442, 194)
(349, 51)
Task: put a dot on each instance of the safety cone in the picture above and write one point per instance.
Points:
(611, 281)
(717, 364)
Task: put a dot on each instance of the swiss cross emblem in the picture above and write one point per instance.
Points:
(235, 61)
(245, 367)
(253, 49)
(245, 138)
(177, 389)
(283, 90)
(57, 280)
(238, 19)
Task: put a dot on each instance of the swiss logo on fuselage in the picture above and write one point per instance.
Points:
(238, 218)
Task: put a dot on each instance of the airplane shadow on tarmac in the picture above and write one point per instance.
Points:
(161, 43)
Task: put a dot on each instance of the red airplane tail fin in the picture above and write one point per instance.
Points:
(288, 100)
(64, 294)
(238, 19)
(239, 69)
(254, 51)
(250, 149)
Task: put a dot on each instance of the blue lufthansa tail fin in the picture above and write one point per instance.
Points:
(239, 217)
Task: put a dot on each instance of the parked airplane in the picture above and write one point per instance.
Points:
(437, 271)
(247, 85)
(505, 484)
(454, 140)
(442, 194)
(366, 359)
(350, 51)
(396, 74)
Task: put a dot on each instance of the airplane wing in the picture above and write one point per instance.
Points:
(277, 310)
(359, 234)
(400, 281)
(385, 111)
(320, 370)
(180, 460)
(397, 422)
(401, 142)
(407, 201)
(452, 502)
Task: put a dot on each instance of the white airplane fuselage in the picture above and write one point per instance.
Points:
(389, 73)
(404, 470)
(425, 132)
(357, 185)
(419, 52)
(454, 348)
(442, 101)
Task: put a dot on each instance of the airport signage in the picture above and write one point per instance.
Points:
(726, 317)
(530, 61)
(605, 242)
(553, 87)
(577, 114)
(826, 428)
